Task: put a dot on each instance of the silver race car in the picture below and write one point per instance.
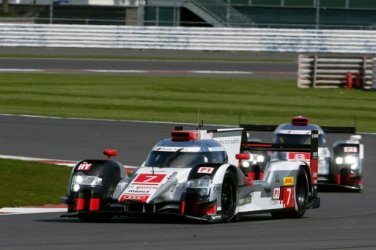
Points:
(340, 165)
(196, 174)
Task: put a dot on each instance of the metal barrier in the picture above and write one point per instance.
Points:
(332, 72)
(188, 38)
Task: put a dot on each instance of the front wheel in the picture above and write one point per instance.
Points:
(228, 197)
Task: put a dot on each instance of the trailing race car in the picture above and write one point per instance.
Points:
(341, 165)
(195, 174)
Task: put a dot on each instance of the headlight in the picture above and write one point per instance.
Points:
(245, 164)
(350, 159)
(85, 180)
(260, 158)
(339, 160)
(203, 182)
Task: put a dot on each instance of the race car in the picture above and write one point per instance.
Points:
(195, 174)
(339, 166)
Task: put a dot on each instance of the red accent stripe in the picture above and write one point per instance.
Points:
(314, 166)
(338, 179)
(80, 204)
(94, 204)
(182, 207)
(261, 175)
(212, 210)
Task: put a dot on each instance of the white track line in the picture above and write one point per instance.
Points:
(29, 210)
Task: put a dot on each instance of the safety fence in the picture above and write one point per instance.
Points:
(332, 72)
(188, 38)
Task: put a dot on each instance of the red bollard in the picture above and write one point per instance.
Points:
(349, 80)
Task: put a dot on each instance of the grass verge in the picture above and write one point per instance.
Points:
(177, 99)
(28, 183)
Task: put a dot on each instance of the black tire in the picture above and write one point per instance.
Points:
(228, 197)
(301, 198)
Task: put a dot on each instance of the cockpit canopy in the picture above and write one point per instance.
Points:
(293, 134)
(185, 154)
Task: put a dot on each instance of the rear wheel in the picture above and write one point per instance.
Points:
(228, 197)
(301, 198)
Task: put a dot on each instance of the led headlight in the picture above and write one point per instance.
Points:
(350, 159)
(260, 158)
(85, 180)
(339, 160)
(245, 164)
(203, 182)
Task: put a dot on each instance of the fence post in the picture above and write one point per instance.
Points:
(374, 74)
(315, 59)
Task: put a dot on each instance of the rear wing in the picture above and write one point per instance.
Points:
(312, 149)
(271, 128)
(231, 139)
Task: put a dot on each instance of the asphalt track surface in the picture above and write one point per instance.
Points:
(173, 63)
(344, 220)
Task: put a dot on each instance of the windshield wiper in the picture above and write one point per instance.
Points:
(170, 159)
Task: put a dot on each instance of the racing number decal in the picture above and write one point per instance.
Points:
(298, 156)
(150, 179)
(288, 197)
(205, 170)
(350, 150)
(84, 166)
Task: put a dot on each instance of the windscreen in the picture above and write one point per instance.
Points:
(296, 139)
(183, 159)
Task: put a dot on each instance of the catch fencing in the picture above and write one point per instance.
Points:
(188, 38)
(313, 71)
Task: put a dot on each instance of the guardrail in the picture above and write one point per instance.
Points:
(333, 72)
(188, 38)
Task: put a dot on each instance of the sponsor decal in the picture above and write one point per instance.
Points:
(205, 170)
(84, 166)
(142, 187)
(294, 132)
(298, 156)
(288, 181)
(276, 193)
(134, 197)
(350, 149)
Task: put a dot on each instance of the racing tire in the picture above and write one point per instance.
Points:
(228, 197)
(301, 198)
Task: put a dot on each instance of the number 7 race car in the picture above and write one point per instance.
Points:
(196, 174)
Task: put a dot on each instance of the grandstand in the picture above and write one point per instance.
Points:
(356, 14)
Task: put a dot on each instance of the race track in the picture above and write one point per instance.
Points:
(344, 220)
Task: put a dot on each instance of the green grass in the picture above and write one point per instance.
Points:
(27, 183)
(220, 100)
